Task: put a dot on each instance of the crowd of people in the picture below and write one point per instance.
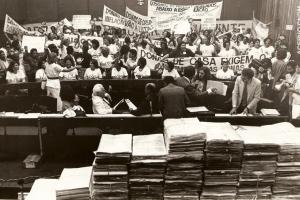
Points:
(272, 76)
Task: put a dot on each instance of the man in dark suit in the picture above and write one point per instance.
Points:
(196, 97)
(172, 100)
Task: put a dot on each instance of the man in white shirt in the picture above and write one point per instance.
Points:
(207, 49)
(225, 73)
(100, 104)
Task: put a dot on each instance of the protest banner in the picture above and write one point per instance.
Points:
(236, 63)
(298, 28)
(82, 21)
(137, 22)
(12, 27)
(112, 18)
(32, 42)
(163, 11)
(208, 23)
(42, 27)
(224, 26)
(260, 30)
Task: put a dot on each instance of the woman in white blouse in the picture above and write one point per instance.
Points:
(93, 72)
(170, 70)
(142, 71)
(105, 61)
(119, 71)
(14, 74)
(71, 75)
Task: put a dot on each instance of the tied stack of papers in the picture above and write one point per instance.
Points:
(147, 167)
(287, 183)
(74, 184)
(110, 168)
(223, 157)
(259, 163)
(186, 140)
(43, 189)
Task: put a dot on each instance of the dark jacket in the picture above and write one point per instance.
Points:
(145, 108)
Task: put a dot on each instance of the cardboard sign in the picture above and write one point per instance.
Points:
(137, 22)
(112, 18)
(82, 21)
(34, 42)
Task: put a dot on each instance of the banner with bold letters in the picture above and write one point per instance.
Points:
(137, 22)
(12, 27)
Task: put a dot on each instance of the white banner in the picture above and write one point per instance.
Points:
(32, 42)
(161, 11)
(224, 26)
(137, 22)
(12, 27)
(112, 18)
(236, 63)
(298, 28)
(82, 21)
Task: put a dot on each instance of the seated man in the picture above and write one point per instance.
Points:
(101, 102)
(246, 93)
(225, 73)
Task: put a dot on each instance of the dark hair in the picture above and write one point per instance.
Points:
(53, 48)
(95, 63)
(51, 58)
(40, 63)
(144, 42)
(32, 50)
(124, 50)
(70, 59)
(151, 87)
(199, 63)
(171, 65)
(247, 72)
(67, 93)
(119, 63)
(281, 54)
(95, 42)
(271, 41)
(225, 42)
(189, 72)
(168, 79)
(266, 63)
(11, 66)
(142, 62)
(127, 40)
(256, 40)
(70, 50)
(292, 63)
(133, 52)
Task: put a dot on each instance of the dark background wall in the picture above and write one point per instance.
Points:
(33, 11)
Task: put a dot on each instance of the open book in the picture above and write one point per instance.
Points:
(129, 103)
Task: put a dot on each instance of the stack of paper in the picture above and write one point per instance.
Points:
(269, 112)
(110, 168)
(186, 140)
(147, 167)
(259, 163)
(223, 156)
(74, 184)
(43, 189)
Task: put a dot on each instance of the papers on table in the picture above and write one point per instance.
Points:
(235, 115)
(269, 112)
(197, 109)
(185, 140)
(147, 167)
(43, 189)
(110, 172)
(74, 183)
(29, 116)
(130, 104)
(221, 87)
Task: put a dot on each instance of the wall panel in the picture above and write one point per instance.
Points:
(40, 10)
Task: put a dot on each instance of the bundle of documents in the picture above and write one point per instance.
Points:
(259, 163)
(269, 112)
(74, 184)
(110, 168)
(220, 86)
(185, 140)
(43, 189)
(287, 182)
(147, 167)
(223, 156)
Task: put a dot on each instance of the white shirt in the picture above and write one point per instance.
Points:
(52, 71)
(296, 97)
(113, 49)
(255, 52)
(268, 51)
(225, 53)
(131, 64)
(55, 42)
(72, 75)
(141, 73)
(105, 62)
(95, 53)
(207, 50)
(193, 48)
(242, 48)
(119, 74)
(101, 106)
(15, 78)
(224, 75)
(40, 75)
(172, 73)
(92, 74)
